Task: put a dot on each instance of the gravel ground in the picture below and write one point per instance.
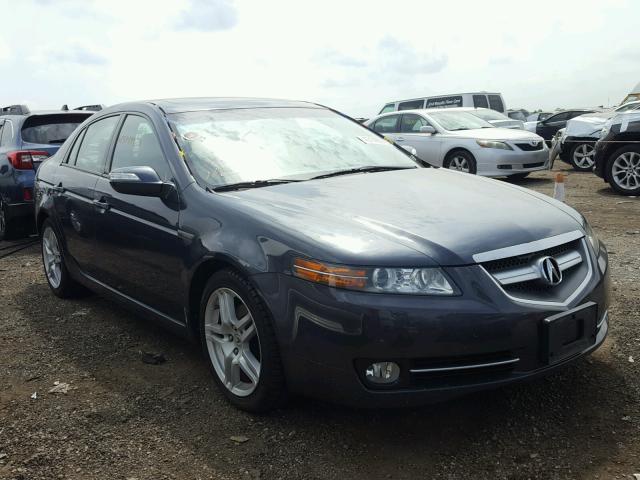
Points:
(125, 419)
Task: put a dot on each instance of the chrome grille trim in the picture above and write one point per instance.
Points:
(464, 367)
(525, 248)
(563, 303)
(530, 272)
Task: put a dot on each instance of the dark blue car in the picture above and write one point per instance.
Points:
(26, 139)
(307, 254)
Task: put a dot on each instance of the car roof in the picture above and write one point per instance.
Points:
(46, 112)
(180, 105)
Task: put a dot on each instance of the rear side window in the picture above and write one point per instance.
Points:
(389, 107)
(495, 103)
(93, 148)
(559, 117)
(71, 159)
(138, 146)
(387, 124)
(443, 102)
(50, 129)
(7, 134)
(412, 105)
(480, 101)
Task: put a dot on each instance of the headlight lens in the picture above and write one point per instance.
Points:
(593, 239)
(494, 144)
(412, 281)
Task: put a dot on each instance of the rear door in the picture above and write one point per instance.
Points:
(137, 236)
(73, 190)
(427, 145)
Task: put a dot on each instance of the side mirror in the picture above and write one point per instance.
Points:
(142, 181)
(427, 129)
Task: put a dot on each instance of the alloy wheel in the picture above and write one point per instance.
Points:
(232, 342)
(459, 163)
(625, 170)
(52, 257)
(583, 156)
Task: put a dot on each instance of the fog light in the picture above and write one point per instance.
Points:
(382, 372)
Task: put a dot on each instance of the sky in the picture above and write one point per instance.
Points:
(351, 55)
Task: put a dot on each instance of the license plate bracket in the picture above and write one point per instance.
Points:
(569, 333)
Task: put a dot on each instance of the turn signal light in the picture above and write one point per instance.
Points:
(332, 275)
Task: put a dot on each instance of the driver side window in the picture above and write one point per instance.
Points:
(138, 146)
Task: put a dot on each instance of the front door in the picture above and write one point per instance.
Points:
(141, 253)
(427, 145)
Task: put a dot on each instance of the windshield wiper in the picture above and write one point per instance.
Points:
(349, 171)
(253, 184)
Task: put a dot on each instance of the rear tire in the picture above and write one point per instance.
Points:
(461, 160)
(582, 156)
(11, 229)
(239, 341)
(623, 170)
(55, 270)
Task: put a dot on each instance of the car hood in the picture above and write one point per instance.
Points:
(588, 125)
(507, 123)
(436, 215)
(509, 134)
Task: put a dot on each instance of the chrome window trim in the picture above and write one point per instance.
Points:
(530, 272)
(525, 248)
(564, 303)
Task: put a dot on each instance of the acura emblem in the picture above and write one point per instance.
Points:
(550, 271)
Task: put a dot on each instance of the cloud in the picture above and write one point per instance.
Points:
(497, 61)
(208, 16)
(76, 54)
(339, 59)
(402, 58)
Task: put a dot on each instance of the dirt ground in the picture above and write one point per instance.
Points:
(125, 419)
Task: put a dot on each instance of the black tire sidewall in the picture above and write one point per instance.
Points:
(572, 161)
(609, 170)
(271, 391)
(473, 168)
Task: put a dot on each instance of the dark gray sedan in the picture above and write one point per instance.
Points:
(307, 254)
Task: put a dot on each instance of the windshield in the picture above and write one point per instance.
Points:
(229, 146)
(459, 120)
(488, 115)
(628, 106)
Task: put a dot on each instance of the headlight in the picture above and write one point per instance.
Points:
(494, 144)
(593, 239)
(412, 281)
(606, 128)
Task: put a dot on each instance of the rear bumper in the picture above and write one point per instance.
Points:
(20, 210)
(328, 337)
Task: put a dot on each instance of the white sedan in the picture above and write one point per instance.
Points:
(461, 141)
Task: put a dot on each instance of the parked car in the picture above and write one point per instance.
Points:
(493, 101)
(579, 137)
(496, 119)
(538, 116)
(633, 95)
(520, 115)
(26, 139)
(254, 226)
(617, 153)
(548, 128)
(461, 141)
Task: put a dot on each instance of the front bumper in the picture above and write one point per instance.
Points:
(493, 162)
(328, 337)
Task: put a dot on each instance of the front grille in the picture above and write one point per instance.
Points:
(527, 147)
(520, 276)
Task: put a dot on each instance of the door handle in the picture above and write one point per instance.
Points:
(103, 206)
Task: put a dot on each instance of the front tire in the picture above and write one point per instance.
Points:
(582, 156)
(240, 344)
(55, 270)
(462, 161)
(623, 170)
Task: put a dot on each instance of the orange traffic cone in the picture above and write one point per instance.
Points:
(558, 189)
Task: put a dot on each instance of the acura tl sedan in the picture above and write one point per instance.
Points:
(459, 140)
(308, 255)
